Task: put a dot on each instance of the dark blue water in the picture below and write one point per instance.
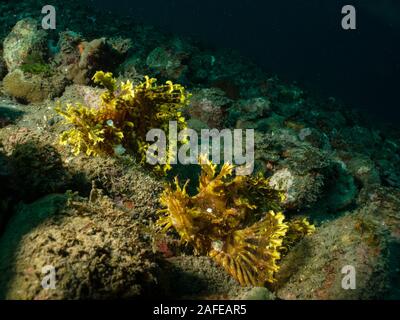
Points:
(298, 40)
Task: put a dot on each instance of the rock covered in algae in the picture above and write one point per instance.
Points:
(78, 59)
(97, 251)
(257, 293)
(38, 165)
(125, 181)
(35, 165)
(362, 168)
(313, 269)
(5, 176)
(300, 190)
(309, 176)
(166, 63)
(24, 40)
(37, 170)
(33, 88)
(86, 95)
(381, 206)
(208, 106)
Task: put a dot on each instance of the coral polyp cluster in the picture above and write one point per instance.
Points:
(233, 219)
(123, 118)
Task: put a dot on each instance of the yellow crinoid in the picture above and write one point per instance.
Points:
(233, 219)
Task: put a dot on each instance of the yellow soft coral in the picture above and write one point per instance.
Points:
(124, 117)
(234, 220)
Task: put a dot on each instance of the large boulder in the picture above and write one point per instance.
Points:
(40, 165)
(95, 250)
(313, 269)
(33, 88)
(367, 239)
(382, 205)
(309, 176)
(300, 190)
(36, 169)
(25, 40)
(130, 185)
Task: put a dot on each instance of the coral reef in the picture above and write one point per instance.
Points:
(330, 163)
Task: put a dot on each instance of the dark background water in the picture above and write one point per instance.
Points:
(299, 40)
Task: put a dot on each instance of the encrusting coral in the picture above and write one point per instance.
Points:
(124, 117)
(226, 220)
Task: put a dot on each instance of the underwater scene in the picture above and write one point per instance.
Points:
(199, 150)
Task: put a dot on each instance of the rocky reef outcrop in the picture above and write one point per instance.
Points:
(27, 39)
(94, 248)
(333, 166)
